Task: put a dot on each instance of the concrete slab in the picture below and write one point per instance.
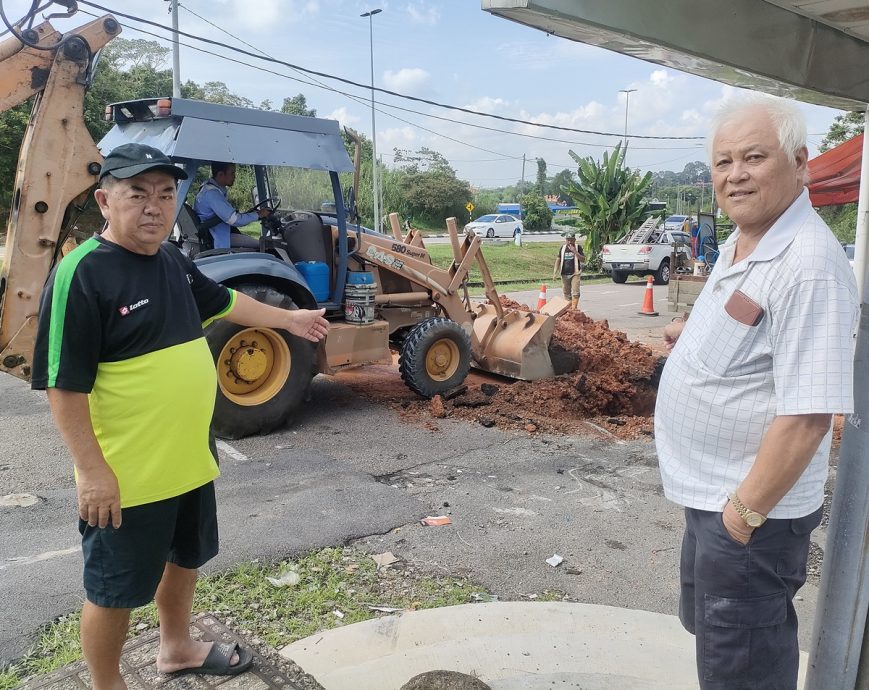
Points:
(509, 645)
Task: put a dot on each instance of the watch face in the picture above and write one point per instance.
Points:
(754, 519)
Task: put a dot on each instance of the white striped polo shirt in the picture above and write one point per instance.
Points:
(725, 381)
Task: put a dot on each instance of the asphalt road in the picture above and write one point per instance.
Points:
(352, 472)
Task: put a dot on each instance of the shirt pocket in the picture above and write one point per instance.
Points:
(731, 348)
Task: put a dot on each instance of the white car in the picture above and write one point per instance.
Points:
(674, 222)
(496, 225)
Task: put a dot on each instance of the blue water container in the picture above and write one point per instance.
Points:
(316, 273)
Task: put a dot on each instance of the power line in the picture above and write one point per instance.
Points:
(350, 82)
(302, 81)
(502, 157)
(319, 84)
(315, 83)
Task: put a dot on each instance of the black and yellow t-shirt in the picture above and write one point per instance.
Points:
(126, 328)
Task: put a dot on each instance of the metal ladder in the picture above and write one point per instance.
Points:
(642, 233)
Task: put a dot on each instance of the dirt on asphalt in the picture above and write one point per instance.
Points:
(611, 389)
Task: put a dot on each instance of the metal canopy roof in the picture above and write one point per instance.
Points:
(810, 50)
(207, 131)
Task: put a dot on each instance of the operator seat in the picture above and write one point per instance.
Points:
(307, 238)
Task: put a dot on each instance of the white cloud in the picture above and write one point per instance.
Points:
(421, 13)
(487, 104)
(345, 118)
(406, 80)
(397, 137)
(269, 14)
(661, 78)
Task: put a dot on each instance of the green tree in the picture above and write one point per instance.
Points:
(844, 127)
(298, 105)
(559, 185)
(13, 122)
(541, 176)
(537, 215)
(610, 198)
(429, 186)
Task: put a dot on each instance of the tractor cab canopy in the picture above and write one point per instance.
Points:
(195, 133)
(195, 130)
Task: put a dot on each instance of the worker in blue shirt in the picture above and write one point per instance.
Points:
(211, 201)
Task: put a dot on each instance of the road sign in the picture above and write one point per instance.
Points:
(470, 207)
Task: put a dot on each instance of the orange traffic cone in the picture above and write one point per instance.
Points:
(648, 306)
(541, 298)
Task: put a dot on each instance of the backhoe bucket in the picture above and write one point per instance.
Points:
(518, 345)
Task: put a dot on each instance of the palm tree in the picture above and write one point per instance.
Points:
(610, 198)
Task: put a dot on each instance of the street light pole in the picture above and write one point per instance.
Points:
(176, 58)
(627, 93)
(376, 183)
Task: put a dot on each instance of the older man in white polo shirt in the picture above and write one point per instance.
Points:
(742, 422)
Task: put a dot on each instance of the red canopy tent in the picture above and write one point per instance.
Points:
(834, 176)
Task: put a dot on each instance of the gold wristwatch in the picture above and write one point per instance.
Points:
(751, 518)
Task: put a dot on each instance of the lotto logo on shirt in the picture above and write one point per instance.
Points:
(124, 311)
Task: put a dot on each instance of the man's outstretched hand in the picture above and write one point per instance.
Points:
(308, 324)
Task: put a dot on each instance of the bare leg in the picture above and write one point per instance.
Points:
(174, 603)
(103, 632)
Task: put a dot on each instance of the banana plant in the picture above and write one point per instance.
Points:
(609, 196)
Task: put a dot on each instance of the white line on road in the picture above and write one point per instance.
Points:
(232, 452)
(48, 555)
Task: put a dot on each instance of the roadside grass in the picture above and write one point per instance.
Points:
(532, 262)
(331, 580)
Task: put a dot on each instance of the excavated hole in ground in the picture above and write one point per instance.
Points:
(613, 386)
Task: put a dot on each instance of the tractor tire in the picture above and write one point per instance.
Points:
(620, 277)
(263, 374)
(662, 275)
(435, 357)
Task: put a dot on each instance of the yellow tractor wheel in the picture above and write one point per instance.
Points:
(435, 357)
(263, 374)
(253, 366)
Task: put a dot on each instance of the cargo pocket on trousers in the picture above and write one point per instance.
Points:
(739, 634)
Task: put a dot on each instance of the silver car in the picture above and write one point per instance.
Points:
(496, 225)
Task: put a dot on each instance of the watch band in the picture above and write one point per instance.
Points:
(750, 517)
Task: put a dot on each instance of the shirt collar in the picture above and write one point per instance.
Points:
(212, 181)
(780, 235)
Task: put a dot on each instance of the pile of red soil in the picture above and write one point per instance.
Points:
(611, 389)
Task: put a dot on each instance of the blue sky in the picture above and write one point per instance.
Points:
(454, 53)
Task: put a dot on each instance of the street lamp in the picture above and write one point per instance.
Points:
(627, 93)
(376, 183)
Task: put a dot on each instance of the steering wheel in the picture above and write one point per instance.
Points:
(273, 203)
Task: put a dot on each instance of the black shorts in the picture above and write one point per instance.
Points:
(123, 567)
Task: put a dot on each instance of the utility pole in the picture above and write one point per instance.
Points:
(376, 183)
(627, 93)
(522, 187)
(176, 57)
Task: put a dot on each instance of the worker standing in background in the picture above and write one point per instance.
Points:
(211, 201)
(120, 334)
(744, 407)
(569, 265)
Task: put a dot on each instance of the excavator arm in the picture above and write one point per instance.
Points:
(57, 165)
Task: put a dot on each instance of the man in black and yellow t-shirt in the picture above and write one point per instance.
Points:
(131, 385)
(569, 265)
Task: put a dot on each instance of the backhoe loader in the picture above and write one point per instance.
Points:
(381, 293)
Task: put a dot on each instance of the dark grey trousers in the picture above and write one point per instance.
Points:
(738, 600)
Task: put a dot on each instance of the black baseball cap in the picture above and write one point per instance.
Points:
(129, 160)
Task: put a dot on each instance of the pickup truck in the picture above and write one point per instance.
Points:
(644, 253)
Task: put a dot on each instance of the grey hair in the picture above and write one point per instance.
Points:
(788, 120)
(108, 182)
